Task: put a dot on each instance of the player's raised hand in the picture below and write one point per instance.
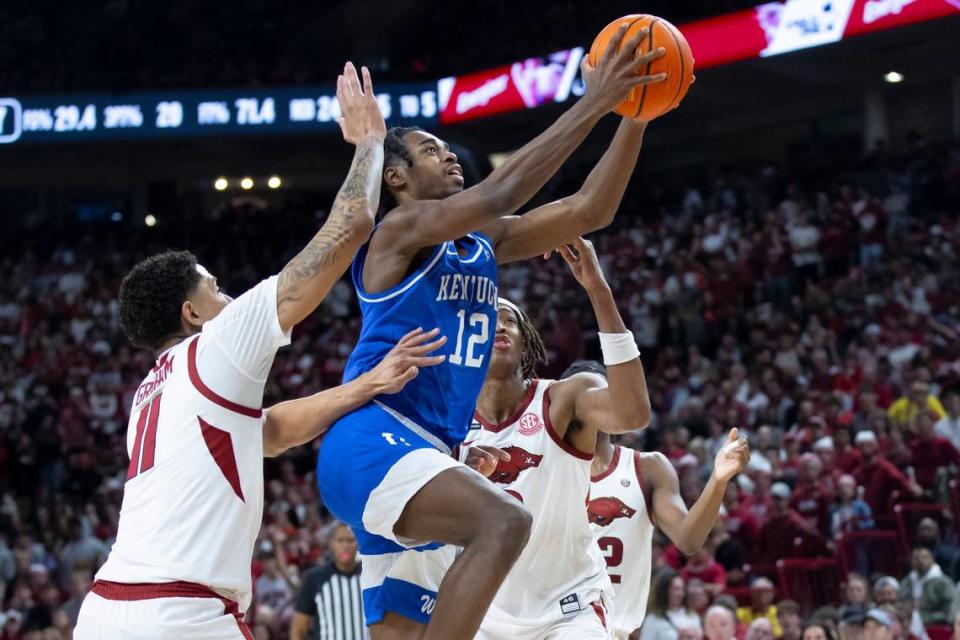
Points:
(361, 118)
(732, 457)
(615, 75)
(483, 459)
(581, 257)
(405, 360)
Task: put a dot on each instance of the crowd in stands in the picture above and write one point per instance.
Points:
(133, 44)
(815, 308)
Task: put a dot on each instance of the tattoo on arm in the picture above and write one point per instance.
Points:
(357, 198)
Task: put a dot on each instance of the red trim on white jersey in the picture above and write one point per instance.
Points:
(209, 393)
(220, 445)
(144, 591)
(598, 609)
(524, 403)
(643, 485)
(614, 461)
(563, 444)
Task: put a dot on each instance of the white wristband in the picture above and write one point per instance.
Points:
(618, 348)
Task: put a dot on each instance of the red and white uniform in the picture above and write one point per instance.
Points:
(193, 500)
(558, 588)
(620, 516)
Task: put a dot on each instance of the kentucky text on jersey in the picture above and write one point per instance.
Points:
(455, 290)
(470, 288)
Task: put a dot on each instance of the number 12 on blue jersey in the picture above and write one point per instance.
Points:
(479, 335)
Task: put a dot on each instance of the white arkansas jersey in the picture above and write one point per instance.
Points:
(193, 499)
(621, 522)
(561, 570)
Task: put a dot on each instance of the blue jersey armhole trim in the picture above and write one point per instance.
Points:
(399, 288)
(484, 240)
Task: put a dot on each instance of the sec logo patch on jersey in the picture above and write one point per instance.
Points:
(530, 423)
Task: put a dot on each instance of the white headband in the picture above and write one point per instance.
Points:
(509, 305)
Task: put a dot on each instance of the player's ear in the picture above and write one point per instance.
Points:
(189, 316)
(395, 176)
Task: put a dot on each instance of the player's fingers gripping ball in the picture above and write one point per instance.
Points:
(647, 101)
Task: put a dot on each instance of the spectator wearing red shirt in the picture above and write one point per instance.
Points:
(784, 532)
(835, 243)
(674, 444)
(759, 502)
(930, 452)
(704, 567)
(872, 222)
(848, 380)
(810, 497)
(830, 472)
(739, 521)
(848, 457)
(878, 476)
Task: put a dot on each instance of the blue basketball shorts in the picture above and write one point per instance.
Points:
(371, 464)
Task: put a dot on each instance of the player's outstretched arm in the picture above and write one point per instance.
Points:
(592, 207)
(514, 182)
(689, 529)
(620, 403)
(295, 422)
(310, 275)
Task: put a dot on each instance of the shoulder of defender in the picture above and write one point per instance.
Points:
(577, 383)
(653, 464)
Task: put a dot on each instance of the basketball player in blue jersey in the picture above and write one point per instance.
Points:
(386, 469)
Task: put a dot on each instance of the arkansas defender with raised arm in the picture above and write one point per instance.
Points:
(631, 491)
(193, 500)
(535, 440)
(386, 469)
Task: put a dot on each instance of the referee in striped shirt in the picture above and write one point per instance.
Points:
(330, 594)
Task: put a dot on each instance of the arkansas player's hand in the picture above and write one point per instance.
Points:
(405, 360)
(361, 119)
(581, 257)
(732, 457)
(608, 83)
(484, 459)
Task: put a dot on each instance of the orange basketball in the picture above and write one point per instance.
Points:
(652, 100)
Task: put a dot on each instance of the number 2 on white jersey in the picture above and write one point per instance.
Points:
(479, 337)
(612, 549)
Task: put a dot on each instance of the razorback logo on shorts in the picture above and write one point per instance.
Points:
(603, 511)
(508, 471)
(530, 423)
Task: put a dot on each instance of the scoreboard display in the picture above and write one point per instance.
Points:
(163, 114)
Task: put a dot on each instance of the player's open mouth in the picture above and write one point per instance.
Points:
(501, 342)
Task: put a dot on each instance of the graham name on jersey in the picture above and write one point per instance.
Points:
(160, 373)
(456, 286)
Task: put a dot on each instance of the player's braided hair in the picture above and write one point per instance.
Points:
(394, 152)
(534, 352)
(152, 294)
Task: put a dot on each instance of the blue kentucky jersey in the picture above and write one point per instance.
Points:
(458, 294)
